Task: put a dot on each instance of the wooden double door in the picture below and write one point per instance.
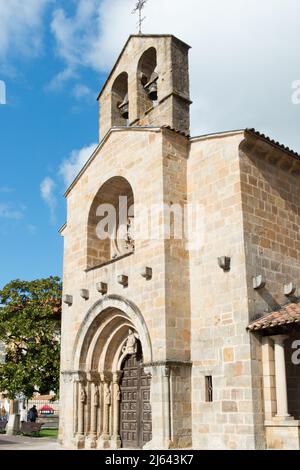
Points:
(135, 408)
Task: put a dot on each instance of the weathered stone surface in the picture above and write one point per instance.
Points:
(190, 317)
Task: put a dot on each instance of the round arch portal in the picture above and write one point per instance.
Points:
(112, 334)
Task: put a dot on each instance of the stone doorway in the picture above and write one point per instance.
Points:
(135, 408)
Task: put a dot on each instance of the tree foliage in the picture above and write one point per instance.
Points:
(30, 313)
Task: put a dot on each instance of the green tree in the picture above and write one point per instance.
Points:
(30, 313)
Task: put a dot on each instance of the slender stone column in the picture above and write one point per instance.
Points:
(280, 377)
(94, 410)
(116, 440)
(82, 402)
(75, 405)
(93, 405)
(105, 436)
(80, 398)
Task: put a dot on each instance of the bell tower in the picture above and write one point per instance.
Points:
(148, 86)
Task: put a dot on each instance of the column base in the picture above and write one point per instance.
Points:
(79, 441)
(283, 418)
(103, 442)
(91, 442)
(283, 435)
(115, 442)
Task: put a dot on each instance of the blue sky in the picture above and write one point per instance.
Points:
(54, 57)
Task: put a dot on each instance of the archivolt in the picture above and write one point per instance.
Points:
(103, 332)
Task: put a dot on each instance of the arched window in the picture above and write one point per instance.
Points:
(119, 101)
(147, 81)
(110, 223)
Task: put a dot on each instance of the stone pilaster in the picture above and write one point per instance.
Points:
(160, 404)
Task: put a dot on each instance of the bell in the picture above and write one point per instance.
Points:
(152, 91)
(151, 87)
(124, 108)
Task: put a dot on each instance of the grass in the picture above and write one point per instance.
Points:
(47, 432)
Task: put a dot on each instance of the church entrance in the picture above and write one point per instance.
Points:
(135, 408)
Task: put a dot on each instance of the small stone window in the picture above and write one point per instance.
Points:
(208, 389)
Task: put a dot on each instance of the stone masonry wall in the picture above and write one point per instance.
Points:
(220, 345)
(271, 206)
(271, 214)
(148, 159)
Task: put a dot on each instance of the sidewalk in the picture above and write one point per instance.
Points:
(28, 443)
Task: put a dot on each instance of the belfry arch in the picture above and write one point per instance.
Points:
(112, 343)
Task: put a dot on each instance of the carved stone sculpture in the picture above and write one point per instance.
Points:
(131, 343)
(96, 397)
(83, 395)
(107, 395)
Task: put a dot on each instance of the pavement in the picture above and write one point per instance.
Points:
(28, 443)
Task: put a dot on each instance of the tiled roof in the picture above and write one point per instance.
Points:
(286, 315)
(185, 134)
(273, 142)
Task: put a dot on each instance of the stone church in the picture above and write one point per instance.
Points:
(171, 342)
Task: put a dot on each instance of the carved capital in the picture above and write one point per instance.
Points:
(73, 376)
(117, 376)
(106, 377)
(93, 376)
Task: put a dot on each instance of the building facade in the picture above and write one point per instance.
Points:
(181, 335)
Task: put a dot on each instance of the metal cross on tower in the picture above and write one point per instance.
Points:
(139, 7)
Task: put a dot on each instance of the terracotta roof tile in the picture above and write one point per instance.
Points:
(288, 314)
(185, 134)
(273, 142)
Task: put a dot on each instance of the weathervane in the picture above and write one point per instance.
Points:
(139, 7)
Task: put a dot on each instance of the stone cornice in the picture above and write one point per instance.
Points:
(168, 363)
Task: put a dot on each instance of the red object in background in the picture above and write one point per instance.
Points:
(47, 410)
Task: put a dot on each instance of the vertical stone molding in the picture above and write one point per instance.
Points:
(80, 400)
(81, 407)
(104, 441)
(280, 378)
(92, 411)
(116, 439)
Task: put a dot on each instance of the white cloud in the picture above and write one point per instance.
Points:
(81, 91)
(8, 212)
(47, 188)
(20, 27)
(58, 81)
(243, 61)
(74, 36)
(74, 163)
